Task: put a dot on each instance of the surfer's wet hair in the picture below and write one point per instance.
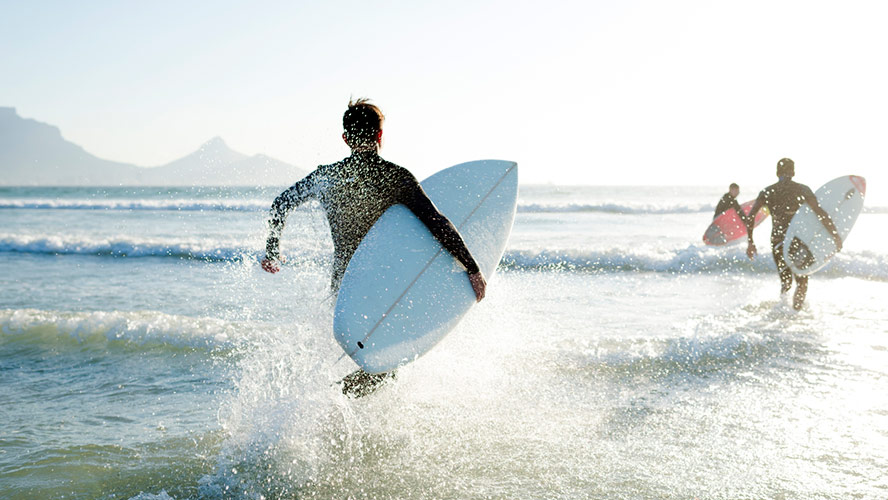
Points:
(785, 168)
(733, 185)
(362, 122)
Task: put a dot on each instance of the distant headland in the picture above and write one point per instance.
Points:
(35, 154)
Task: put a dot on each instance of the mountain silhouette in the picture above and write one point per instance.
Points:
(35, 154)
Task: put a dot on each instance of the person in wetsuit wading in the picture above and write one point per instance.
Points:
(354, 193)
(729, 201)
(783, 199)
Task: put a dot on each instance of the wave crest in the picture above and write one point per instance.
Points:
(693, 259)
(690, 260)
(139, 328)
(125, 247)
(216, 205)
(615, 208)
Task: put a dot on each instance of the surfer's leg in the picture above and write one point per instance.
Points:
(335, 281)
(360, 383)
(801, 290)
(782, 269)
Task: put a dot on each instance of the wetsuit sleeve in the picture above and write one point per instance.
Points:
(720, 207)
(415, 198)
(750, 221)
(726, 203)
(294, 196)
(736, 206)
(824, 217)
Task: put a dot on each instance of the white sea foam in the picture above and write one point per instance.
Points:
(163, 495)
(692, 259)
(615, 208)
(191, 205)
(262, 205)
(641, 208)
(194, 248)
(142, 328)
(283, 421)
(258, 205)
(688, 260)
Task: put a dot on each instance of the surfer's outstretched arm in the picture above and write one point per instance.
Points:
(737, 208)
(294, 196)
(445, 232)
(750, 224)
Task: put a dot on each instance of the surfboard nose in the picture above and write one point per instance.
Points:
(859, 182)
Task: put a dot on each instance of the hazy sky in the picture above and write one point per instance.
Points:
(643, 92)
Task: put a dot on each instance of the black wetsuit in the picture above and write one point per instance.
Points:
(726, 203)
(783, 199)
(354, 193)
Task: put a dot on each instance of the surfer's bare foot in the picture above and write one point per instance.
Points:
(360, 383)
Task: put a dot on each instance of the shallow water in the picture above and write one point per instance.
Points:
(144, 354)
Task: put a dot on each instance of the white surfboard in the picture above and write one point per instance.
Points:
(808, 246)
(402, 292)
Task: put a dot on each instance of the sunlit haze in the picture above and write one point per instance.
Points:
(701, 93)
(176, 323)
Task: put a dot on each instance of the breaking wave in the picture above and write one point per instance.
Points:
(183, 205)
(133, 328)
(263, 204)
(688, 260)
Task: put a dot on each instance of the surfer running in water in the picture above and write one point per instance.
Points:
(783, 199)
(354, 193)
(729, 201)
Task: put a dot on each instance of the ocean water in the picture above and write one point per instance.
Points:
(144, 354)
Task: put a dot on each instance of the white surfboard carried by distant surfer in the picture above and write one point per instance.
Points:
(402, 292)
(808, 246)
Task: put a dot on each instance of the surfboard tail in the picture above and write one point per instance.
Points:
(859, 183)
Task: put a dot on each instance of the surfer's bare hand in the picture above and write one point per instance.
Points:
(479, 285)
(751, 250)
(271, 265)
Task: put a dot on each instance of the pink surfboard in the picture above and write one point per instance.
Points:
(728, 227)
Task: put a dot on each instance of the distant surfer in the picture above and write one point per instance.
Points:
(783, 199)
(729, 201)
(354, 193)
